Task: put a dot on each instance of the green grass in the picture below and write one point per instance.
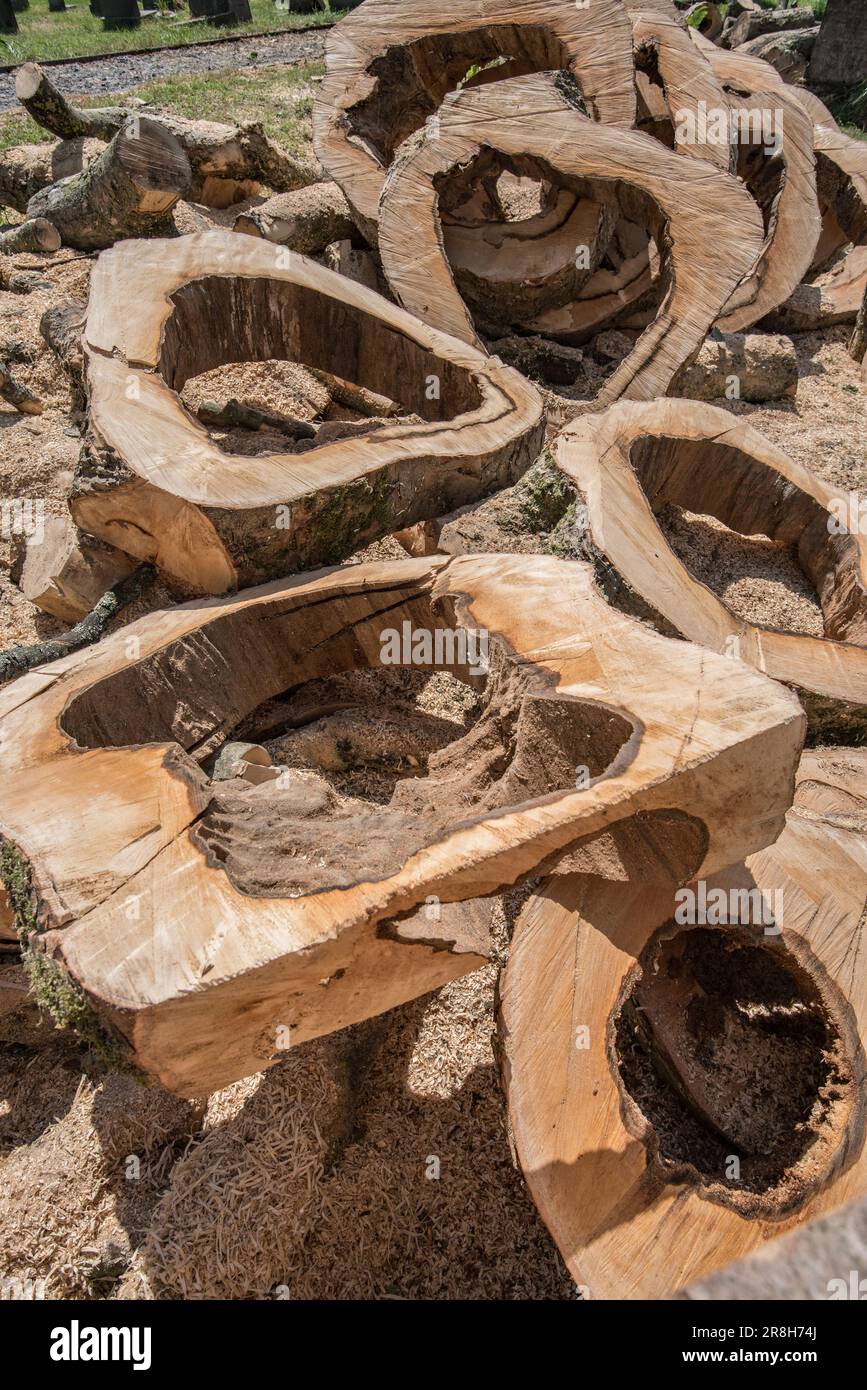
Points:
(280, 97)
(77, 33)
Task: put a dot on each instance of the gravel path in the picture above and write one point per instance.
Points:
(115, 74)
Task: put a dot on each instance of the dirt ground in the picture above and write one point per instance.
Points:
(371, 1164)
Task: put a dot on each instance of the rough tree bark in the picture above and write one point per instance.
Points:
(16, 395)
(129, 190)
(307, 220)
(165, 491)
(206, 976)
(25, 169)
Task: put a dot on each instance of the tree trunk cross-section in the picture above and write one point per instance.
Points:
(631, 1218)
(148, 883)
(216, 520)
(228, 163)
(636, 459)
(391, 63)
(690, 206)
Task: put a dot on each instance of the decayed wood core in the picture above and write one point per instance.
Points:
(735, 1063)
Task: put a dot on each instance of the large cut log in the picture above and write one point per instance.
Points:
(755, 22)
(216, 519)
(662, 1131)
(128, 191)
(209, 932)
(686, 204)
(390, 64)
(228, 163)
(684, 87)
(775, 160)
(636, 459)
(841, 179)
(307, 220)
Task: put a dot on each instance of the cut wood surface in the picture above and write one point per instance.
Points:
(228, 163)
(664, 52)
(627, 284)
(688, 204)
(633, 1217)
(390, 64)
(637, 458)
(841, 178)
(780, 172)
(511, 270)
(149, 886)
(33, 235)
(216, 519)
(66, 574)
(129, 190)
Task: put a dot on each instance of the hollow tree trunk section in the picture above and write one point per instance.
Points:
(158, 487)
(149, 884)
(637, 459)
(391, 63)
(689, 206)
(662, 1131)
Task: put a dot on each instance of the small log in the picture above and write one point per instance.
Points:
(17, 395)
(66, 573)
(534, 116)
(61, 327)
(14, 661)
(306, 220)
(33, 235)
(578, 737)
(41, 99)
(638, 458)
(235, 414)
(740, 366)
(752, 23)
(788, 52)
(129, 190)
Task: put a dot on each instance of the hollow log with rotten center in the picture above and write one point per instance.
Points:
(391, 63)
(636, 459)
(207, 925)
(156, 485)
